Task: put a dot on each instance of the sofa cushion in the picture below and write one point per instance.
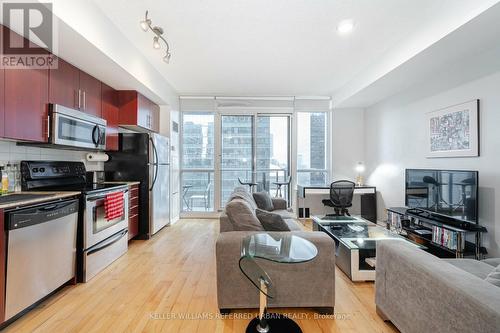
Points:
(475, 267)
(263, 201)
(271, 221)
(492, 261)
(242, 216)
(494, 276)
(243, 195)
(284, 213)
(293, 225)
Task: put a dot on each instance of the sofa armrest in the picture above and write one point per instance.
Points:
(419, 292)
(279, 203)
(309, 284)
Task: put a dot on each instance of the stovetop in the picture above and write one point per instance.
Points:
(86, 188)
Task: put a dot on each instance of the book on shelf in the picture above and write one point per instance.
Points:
(447, 238)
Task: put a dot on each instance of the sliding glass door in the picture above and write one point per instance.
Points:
(273, 152)
(236, 152)
(198, 162)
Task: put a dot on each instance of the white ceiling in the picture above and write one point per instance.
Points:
(280, 47)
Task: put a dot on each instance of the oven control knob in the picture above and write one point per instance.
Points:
(42, 169)
(35, 170)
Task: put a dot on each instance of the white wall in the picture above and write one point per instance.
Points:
(348, 142)
(395, 139)
(10, 152)
(167, 116)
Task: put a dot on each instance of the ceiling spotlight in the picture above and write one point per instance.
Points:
(345, 27)
(156, 43)
(146, 25)
(166, 58)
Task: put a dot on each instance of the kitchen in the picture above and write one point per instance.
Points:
(69, 205)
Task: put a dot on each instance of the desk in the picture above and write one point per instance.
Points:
(368, 202)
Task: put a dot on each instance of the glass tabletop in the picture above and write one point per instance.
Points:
(358, 233)
(278, 247)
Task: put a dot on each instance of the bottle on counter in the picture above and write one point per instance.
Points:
(5, 181)
(11, 175)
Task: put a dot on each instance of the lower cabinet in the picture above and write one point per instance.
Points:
(133, 211)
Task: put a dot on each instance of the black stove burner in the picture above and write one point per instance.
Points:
(85, 188)
(59, 176)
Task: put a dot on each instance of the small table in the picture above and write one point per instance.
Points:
(356, 240)
(280, 248)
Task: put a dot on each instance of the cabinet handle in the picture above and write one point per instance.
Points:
(48, 126)
(84, 100)
(79, 98)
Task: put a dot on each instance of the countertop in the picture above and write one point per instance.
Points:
(50, 196)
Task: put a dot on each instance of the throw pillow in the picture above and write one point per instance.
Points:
(271, 221)
(242, 216)
(263, 201)
(493, 277)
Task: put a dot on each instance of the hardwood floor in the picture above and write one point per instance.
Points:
(173, 275)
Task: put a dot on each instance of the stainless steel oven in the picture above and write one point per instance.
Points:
(97, 227)
(104, 241)
(73, 128)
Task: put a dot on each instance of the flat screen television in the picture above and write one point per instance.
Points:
(449, 193)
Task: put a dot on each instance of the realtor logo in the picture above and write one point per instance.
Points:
(34, 21)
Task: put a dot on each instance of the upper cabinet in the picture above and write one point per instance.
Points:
(91, 94)
(2, 106)
(110, 112)
(138, 112)
(64, 85)
(75, 89)
(25, 102)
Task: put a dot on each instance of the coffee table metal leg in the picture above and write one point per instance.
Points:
(262, 327)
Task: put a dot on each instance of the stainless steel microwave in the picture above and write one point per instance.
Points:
(74, 128)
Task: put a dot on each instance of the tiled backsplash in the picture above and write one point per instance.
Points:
(10, 152)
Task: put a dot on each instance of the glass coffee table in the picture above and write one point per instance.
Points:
(282, 248)
(355, 242)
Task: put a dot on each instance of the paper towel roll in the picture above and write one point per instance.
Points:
(97, 157)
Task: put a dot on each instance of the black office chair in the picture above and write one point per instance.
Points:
(341, 193)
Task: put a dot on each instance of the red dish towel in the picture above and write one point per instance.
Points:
(113, 205)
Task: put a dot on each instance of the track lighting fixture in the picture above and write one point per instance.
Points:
(146, 25)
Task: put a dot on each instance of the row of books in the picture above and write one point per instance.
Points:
(446, 238)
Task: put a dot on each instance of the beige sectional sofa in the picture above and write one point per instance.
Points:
(309, 284)
(421, 293)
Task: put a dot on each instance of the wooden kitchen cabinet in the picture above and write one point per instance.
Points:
(110, 112)
(75, 89)
(2, 108)
(91, 94)
(26, 94)
(3, 260)
(64, 85)
(138, 112)
(26, 98)
(133, 213)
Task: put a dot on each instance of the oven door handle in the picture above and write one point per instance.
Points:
(92, 199)
(108, 242)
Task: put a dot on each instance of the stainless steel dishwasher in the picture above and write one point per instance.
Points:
(41, 252)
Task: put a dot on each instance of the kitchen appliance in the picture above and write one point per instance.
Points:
(100, 241)
(145, 157)
(69, 129)
(41, 252)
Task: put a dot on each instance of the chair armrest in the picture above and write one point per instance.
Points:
(279, 203)
(442, 297)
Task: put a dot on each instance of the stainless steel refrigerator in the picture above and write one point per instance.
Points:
(145, 157)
